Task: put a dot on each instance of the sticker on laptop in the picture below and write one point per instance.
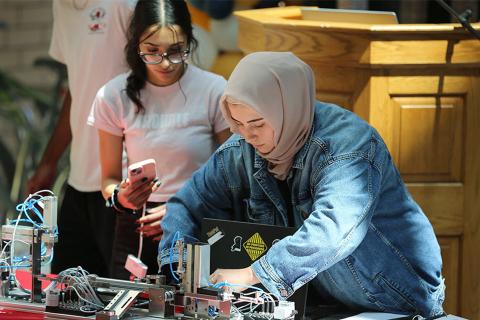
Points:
(255, 246)
(237, 244)
(214, 235)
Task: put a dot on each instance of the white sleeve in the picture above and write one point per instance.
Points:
(106, 116)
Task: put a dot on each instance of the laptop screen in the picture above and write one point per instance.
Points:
(235, 244)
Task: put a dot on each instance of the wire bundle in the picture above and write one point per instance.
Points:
(11, 262)
(76, 280)
(248, 309)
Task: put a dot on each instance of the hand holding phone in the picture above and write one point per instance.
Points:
(142, 171)
(141, 183)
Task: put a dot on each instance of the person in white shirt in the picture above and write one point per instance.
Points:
(165, 109)
(89, 37)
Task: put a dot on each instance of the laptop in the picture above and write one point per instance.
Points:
(349, 16)
(235, 244)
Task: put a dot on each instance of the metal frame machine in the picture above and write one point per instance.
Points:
(76, 294)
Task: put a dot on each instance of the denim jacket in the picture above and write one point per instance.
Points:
(347, 197)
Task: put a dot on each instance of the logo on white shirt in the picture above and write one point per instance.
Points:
(97, 24)
(163, 121)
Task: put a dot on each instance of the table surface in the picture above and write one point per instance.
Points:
(16, 315)
(320, 312)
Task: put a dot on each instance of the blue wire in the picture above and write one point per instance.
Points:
(13, 222)
(30, 205)
(22, 208)
(43, 250)
(226, 284)
(49, 260)
(20, 259)
(187, 236)
(175, 236)
(15, 267)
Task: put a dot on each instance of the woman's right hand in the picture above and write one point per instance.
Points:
(135, 195)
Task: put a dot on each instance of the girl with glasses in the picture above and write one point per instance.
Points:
(164, 108)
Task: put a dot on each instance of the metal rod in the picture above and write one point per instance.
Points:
(463, 18)
(36, 293)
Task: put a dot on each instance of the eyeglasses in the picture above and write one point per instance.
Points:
(174, 57)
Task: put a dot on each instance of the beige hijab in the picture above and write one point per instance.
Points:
(281, 88)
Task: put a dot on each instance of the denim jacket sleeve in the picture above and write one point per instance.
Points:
(344, 193)
(206, 194)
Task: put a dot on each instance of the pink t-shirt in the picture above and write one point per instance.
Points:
(177, 128)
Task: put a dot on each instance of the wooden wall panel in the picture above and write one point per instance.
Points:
(254, 39)
(430, 138)
(311, 45)
(432, 51)
(443, 203)
(426, 84)
(335, 79)
(470, 273)
(382, 112)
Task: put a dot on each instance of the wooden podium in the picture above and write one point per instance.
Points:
(419, 85)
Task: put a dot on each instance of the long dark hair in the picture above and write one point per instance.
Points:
(162, 13)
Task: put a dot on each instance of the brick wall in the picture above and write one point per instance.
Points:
(24, 38)
(25, 30)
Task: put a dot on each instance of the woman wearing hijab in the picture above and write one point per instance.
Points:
(361, 239)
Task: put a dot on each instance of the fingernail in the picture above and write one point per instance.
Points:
(155, 180)
(144, 179)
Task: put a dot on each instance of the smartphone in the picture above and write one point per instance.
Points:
(143, 170)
